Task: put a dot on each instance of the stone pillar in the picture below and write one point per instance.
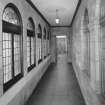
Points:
(95, 43)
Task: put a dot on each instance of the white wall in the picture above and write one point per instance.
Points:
(90, 84)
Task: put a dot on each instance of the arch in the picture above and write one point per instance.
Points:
(44, 37)
(86, 43)
(86, 17)
(102, 48)
(30, 44)
(40, 49)
(30, 24)
(13, 9)
(48, 42)
(40, 30)
(44, 33)
(48, 35)
(30, 27)
(12, 35)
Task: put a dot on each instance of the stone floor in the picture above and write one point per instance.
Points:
(58, 86)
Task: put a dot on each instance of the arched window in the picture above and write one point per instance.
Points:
(48, 42)
(40, 43)
(39, 31)
(12, 35)
(44, 43)
(44, 33)
(30, 44)
(48, 36)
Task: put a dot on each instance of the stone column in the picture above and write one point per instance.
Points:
(94, 43)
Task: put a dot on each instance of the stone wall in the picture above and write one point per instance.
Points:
(87, 50)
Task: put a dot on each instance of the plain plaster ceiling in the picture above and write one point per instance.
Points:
(48, 10)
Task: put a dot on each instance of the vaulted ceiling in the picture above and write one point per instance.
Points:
(66, 10)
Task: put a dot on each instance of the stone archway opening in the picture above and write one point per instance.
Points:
(86, 43)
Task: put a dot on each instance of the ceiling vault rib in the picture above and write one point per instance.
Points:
(35, 8)
(76, 10)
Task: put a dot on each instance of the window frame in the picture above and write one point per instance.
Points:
(40, 37)
(48, 42)
(13, 29)
(31, 34)
(44, 37)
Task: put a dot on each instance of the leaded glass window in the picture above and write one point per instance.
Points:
(48, 42)
(11, 47)
(30, 45)
(10, 16)
(39, 43)
(44, 43)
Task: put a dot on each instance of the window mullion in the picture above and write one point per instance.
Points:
(30, 52)
(41, 46)
(13, 75)
(34, 50)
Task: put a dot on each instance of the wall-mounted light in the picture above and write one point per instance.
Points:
(57, 20)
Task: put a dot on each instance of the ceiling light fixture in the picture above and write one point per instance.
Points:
(63, 36)
(57, 18)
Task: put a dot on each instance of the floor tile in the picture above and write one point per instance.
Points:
(58, 86)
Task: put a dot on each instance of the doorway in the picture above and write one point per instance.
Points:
(61, 45)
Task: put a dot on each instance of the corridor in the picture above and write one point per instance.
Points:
(58, 86)
(33, 33)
